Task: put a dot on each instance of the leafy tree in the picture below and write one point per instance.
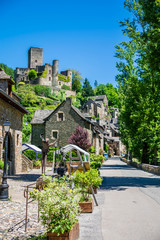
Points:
(80, 138)
(95, 83)
(138, 80)
(8, 71)
(87, 89)
(76, 80)
(32, 74)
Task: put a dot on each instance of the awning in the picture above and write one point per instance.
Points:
(26, 146)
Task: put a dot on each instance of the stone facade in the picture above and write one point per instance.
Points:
(53, 78)
(60, 124)
(35, 57)
(12, 110)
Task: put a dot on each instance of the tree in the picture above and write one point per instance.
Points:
(32, 74)
(76, 80)
(8, 71)
(138, 80)
(80, 138)
(95, 83)
(87, 89)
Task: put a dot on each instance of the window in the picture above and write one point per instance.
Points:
(59, 83)
(49, 78)
(49, 71)
(35, 61)
(60, 117)
(17, 139)
(55, 134)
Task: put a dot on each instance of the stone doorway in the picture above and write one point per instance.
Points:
(10, 161)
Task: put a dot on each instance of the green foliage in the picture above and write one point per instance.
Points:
(32, 74)
(61, 95)
(92, 149)
(96, 161)
(44, 73)
(1, 164)
(138, 79)
(106, 148)
(42, 90)
(58, 205)
(76, 80)
(8, 71)
(65, 87)
(84, 181)
(63, 78)
(37, 163)
(31, 154)
(87, 89)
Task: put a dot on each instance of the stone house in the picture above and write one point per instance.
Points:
(61, 123)
(11, 109)
(96, 106)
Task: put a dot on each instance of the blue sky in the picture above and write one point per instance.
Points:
(81, 34)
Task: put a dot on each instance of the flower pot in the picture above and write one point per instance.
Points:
(73, 234)
(86, 207)
(36, 167)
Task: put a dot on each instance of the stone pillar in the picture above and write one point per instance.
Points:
(55, 73)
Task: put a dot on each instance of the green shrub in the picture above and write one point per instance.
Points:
(58, 205)
(96, 161)
(43, 90)
(32, 74)
(31, 154)
(44, 73)
(84, 181)
(63, 78)
(1, 164)
(65, 87)
(92, 149)
(37, 163)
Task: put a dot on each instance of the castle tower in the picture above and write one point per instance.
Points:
(55, 66)
(67, 73)
(35, 57)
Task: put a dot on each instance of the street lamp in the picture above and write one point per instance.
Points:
(4, 186)
(55, 162)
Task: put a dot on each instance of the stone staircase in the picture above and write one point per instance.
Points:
(27, 164)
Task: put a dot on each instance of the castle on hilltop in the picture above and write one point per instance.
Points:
(47, 74)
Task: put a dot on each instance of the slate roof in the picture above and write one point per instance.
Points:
(4, 76)
(98, 98)
(40, 115)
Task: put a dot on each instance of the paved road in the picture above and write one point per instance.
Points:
(131, 209)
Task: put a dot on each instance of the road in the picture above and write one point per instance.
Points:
(131, 208)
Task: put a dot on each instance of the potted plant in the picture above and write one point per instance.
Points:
(37, 164)
(58, 209)
(83, 182)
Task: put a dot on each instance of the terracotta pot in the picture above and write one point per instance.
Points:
(73, 234)
(36, 167)
(86, 207)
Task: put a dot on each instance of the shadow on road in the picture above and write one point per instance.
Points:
(121, 183)
(118, 167)
(25, 177)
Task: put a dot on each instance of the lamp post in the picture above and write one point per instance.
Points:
(55, 162)
(4, 186)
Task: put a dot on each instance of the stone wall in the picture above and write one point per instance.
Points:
(145, 167)
(37, 129)
(35, 57)
(67, 127)
(15, 135)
